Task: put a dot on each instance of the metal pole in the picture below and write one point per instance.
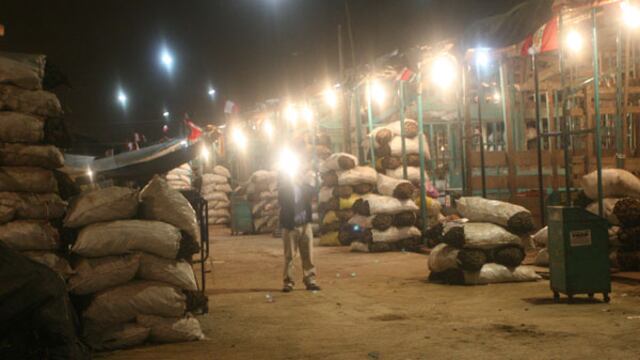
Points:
(480, 98)
(459, 100)
(596, 99)
(315, 157)
(423, 190)
(402, 134)
(565, 116)
(358, 125)
(370, 115)
(620, 155)
(541, 188)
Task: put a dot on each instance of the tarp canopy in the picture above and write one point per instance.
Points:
(510, 28)
(134, 165)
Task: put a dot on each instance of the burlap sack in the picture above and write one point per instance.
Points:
(93, 275)
(108, 204)
(171, 329)
(21, 128)
(175, 272)
(34, 206)
(24, 235)
(22, 70)
(45, 156)
(27, 179)
(35, 102)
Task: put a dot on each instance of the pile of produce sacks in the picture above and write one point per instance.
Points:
(30, 205)
(132, 265)
(335, 200)
(262, 192)
(181, 177)
(215, 189)
(387, 142)
(485, 246)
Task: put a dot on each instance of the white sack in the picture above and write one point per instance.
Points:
(413, 174)
(160, 202)
(171, 329)
(23, 235)
(412, 146)
(541, 238)
(124, 303)
(325, 194)
(221, 170)
(379, 204)
(331, 163)
(34, 206)
(27, 179)
(120, 336)
(443, 257)
(386, 185)
(496, 273)
(216, 196)
(219, 213)
(44, 156)
(488, 236)
(364, 222)
(125, 236)
(22, 128)
(396, 128)
(542, 258)
(263, 176)
(607, 210)
(615, 183)
(175, 272)
(93, 275)
(358, 175)
(22, 70)
(394, 234)
(478, 209)
(36, 102)
(213, 187)
(218, 221)
(108, 204)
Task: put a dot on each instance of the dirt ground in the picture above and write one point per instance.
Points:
(379, 306)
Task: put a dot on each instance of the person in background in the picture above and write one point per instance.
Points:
(295, 195)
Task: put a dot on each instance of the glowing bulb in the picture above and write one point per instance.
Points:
(211, 92)
(165, 114)
(291, 114)
(268, 129)
(288, 162)
(574, 41)
(496, 97)
(90, 174)
(482, 57)
(239, 138)
(122, 98)
(377, 93)
(331, 98)
(204, 153)
(307, 114)
(630, 15)
(443, 71)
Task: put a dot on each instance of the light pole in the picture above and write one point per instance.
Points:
(482, 61)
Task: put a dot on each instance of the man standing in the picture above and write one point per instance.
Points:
(294, 196)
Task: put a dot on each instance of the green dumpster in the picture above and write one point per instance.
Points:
(241, 218)
(578, 253)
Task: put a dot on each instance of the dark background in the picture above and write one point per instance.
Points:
(248, 50)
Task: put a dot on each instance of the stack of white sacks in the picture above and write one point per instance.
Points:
(483, 247)
(181, 177)
(387, 142)
(133, 252)
(29, 200)
(262, 192)
(215, 189)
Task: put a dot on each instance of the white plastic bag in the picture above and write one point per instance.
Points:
(171, 329)
(94, 275)
(123, 303)
(615, 183)
(108, 204)
(443, 257)
(358, 175)
(125, 236)
(175, 272)
(394, 234)
(496, 273)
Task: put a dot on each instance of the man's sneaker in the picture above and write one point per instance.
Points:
(313, 287)
(287, 288)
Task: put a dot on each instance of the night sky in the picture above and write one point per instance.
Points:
(248, 50)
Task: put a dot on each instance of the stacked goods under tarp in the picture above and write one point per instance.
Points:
(132, 269)
(215, 189)
(30, 205)
(483, 247)
(383, 223)
(262, 192)
(335, 200)
(181, 177)
(387, 142)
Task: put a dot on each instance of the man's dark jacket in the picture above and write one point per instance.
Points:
(287, 206)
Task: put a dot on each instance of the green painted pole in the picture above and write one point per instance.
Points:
(541, 188)
(370, 116)
(358, 125)
(565, 115)
(402, 134)
(596, 99)
(620, 155)
(480, 99)
(423, 190)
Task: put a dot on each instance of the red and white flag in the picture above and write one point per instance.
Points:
(194, 130)
(545, 39)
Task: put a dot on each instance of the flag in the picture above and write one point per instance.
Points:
(406, 75)
(230, 107)
(194, 130)
(545, 39)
